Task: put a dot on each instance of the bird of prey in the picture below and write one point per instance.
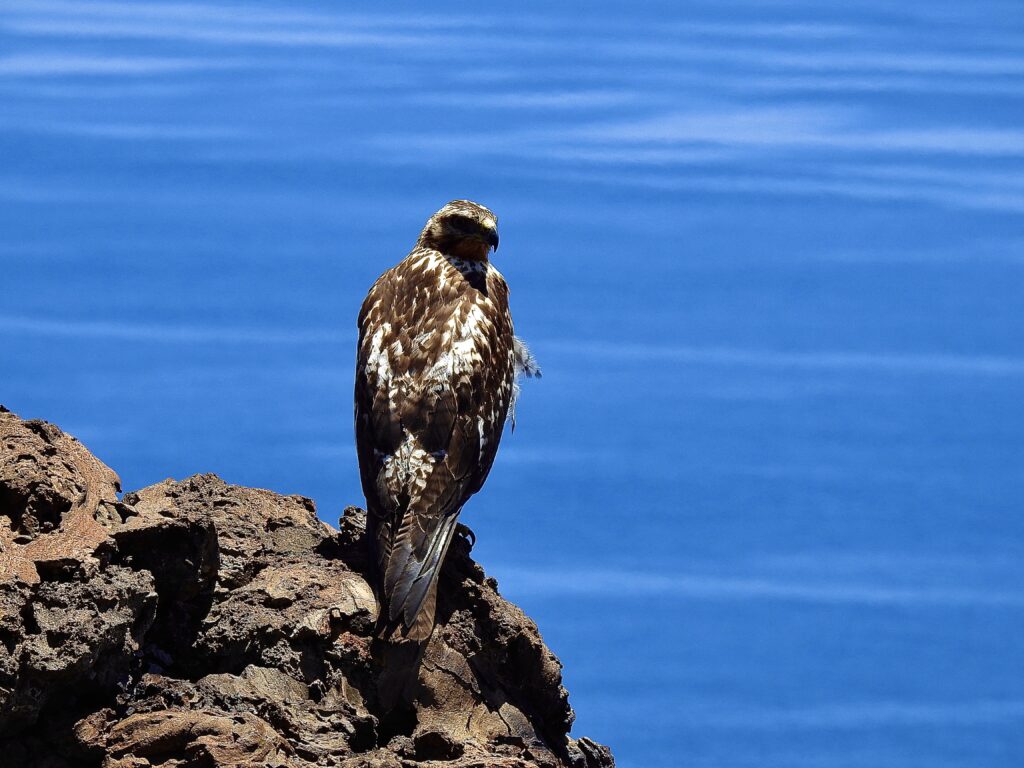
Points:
(435, 382)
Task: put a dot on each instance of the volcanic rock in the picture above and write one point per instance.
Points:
(195, 624)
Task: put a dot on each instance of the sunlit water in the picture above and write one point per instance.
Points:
(765, 503)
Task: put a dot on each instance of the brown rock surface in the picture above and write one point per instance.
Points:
(199, 624)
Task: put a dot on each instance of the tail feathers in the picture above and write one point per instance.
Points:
(410, 579)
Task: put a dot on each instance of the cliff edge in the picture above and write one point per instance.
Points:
(198, 624)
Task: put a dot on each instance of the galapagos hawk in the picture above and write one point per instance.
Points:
(435, 382)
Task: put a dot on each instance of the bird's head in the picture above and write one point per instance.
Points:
(463, 229)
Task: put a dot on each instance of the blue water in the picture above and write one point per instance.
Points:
(766, 502)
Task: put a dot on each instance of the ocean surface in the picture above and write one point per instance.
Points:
(767, 502)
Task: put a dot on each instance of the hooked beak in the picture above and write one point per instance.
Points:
(492, 238)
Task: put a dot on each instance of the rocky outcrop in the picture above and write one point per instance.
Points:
(200, 624)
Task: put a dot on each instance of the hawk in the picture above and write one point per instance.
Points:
(435, 382)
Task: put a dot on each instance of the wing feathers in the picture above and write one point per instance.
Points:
(433, 382)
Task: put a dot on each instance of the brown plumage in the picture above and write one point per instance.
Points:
(435, 376)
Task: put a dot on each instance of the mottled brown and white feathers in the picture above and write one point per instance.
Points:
(435, 375)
